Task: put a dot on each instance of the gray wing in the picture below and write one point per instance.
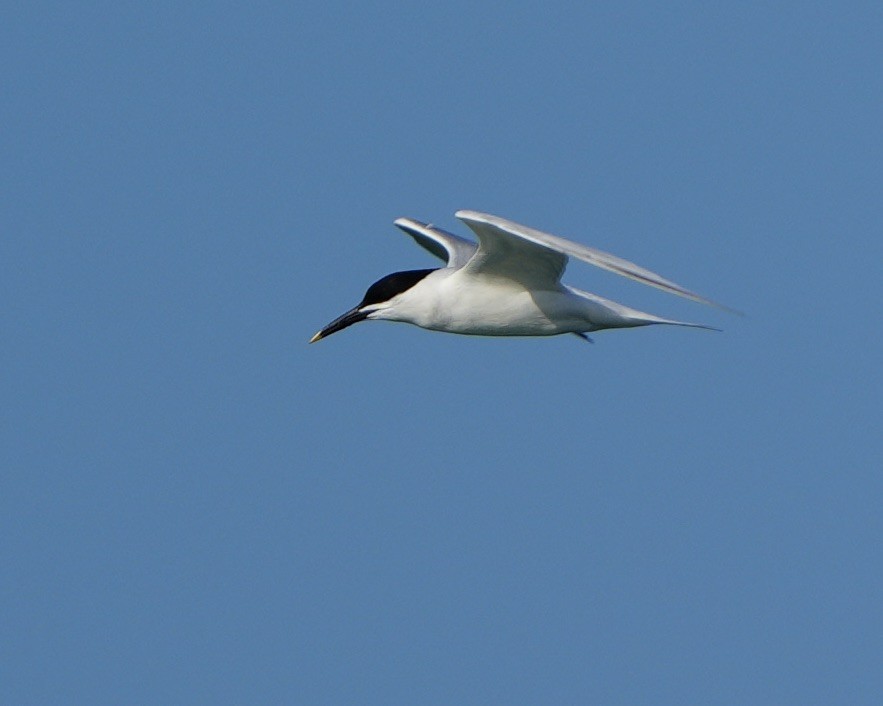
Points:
(505, 245)
(503, 251)
(451, 248)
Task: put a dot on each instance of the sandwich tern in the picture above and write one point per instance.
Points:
(509, 284)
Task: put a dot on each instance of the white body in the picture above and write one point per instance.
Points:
(449, 300)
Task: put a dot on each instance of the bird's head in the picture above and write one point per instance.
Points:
(378, 301)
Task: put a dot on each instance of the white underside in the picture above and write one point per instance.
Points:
(450, 300)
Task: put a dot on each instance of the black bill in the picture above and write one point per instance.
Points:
(353, 316)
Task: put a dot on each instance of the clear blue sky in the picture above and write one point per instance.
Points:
(198, 507)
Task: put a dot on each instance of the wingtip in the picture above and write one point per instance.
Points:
(409, 224)
(722, 307)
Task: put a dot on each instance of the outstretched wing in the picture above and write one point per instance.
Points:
(451, 248)
(504, 252)
(506, 247)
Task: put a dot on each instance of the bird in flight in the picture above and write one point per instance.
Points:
(508, 284)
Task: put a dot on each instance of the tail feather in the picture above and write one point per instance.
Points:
(605, 313)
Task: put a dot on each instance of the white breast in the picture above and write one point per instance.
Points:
(449, 301)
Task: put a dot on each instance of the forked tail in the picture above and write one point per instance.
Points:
(604, 313)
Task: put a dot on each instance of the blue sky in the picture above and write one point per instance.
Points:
(198, 507)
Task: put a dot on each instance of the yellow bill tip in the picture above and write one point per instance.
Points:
(317, 337)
